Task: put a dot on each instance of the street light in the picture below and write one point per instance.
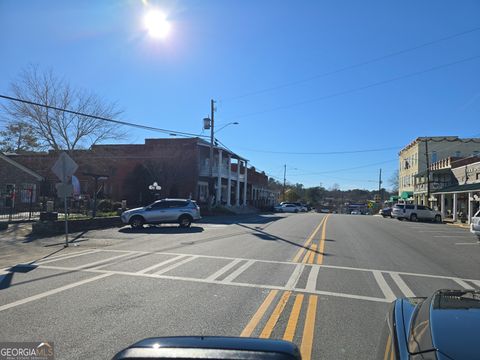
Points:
(224, 126)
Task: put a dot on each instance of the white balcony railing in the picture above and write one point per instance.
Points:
(205, 171)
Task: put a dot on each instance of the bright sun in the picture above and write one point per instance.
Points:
(157, 24)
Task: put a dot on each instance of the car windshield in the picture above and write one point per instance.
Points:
(280, 170)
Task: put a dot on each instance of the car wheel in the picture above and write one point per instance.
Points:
(438, 218)
(413, 217)
(296, 211)
(185, 221)
(137, 222)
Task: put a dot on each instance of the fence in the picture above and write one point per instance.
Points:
(30, 212)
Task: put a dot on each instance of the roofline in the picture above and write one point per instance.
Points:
(438, 138)
(21, 167)
(202, 142)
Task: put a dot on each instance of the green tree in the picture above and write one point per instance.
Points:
(17, 137)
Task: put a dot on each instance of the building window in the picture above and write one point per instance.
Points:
(434, 156)
(458, 153)
(28, 192)
(475, 153)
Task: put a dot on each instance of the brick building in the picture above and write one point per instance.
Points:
(180, 166)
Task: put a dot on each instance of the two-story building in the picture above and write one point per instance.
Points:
(181, 167)
(460, 201)
(414, 157)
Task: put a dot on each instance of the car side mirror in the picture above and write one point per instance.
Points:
(210, 347)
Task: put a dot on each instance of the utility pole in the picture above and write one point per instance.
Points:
(428, 171)
(212, 139)
(284, 179)
(380, 185)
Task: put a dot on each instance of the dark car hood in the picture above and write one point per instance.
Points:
(455, 319)
(447, 322)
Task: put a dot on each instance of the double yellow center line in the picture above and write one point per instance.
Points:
(290, 330)
(307, 255)
(309, 249)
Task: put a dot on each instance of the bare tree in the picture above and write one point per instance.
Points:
(55, 129)
(393, 181)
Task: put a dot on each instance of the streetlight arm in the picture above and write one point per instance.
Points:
(224, 126)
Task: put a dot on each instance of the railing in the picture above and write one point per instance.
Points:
(205, 171)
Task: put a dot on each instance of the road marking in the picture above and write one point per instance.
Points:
(284, 262)
(237, 272)
(249, 285)
(224, 269)
(387, 348)
(312, 279)
(58, 257)
(313, 251)
(463, 284)
(52, 292)
(402, 285)
(469, 243)
(173, 266)
(272, 321)
(92, 264)
(387, 292)
(67, 257)
(307, 338)
(308, 241)
(126, 257)
(452, 236)
(293, 319)
(322, 241)
(297, 272)
(252, 324)
(476, 283)
(144, 271)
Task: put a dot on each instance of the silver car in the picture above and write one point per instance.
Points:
(181, 211)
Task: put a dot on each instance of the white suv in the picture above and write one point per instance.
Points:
(181, 211)
(415, 212)
(475, 225)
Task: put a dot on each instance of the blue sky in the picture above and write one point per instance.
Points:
(227, 49)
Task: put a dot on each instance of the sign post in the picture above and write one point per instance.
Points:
(64, 168)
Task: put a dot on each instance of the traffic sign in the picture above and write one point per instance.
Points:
(64, 190)
(64, 167)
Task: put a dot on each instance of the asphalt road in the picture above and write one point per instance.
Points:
(322, 281)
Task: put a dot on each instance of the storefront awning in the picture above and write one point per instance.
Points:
(458, 189)
(405, 195)
(393, 198)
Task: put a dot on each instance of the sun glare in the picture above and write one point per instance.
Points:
(157, 24)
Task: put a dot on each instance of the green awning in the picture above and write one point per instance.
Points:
(406, 195)
(458, 189)
(393, 198)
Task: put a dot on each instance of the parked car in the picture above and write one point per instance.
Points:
(324, 211)
(181, 211)
(287, 207)
(414, 212)
(475, 225)
(356, 212)
(443, 326)
(300, 206)
(386, 212)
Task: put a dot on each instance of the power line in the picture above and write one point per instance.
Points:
(324, 152)
(353, 90)
(348, 169)
(119, 122)
(353, 66)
